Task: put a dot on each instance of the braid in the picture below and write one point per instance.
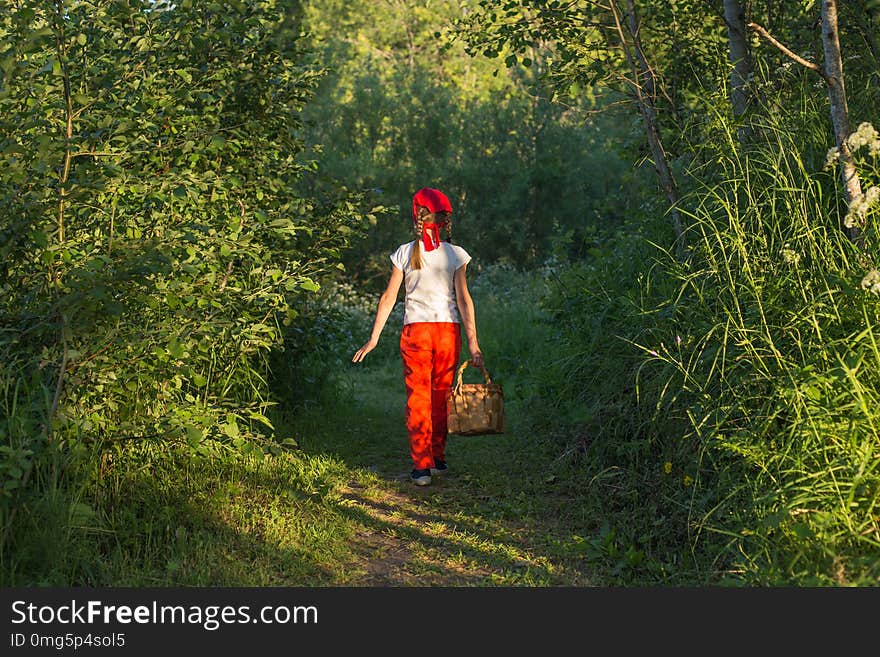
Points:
(415, 260)
(449, 230)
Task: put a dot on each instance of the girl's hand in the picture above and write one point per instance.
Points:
(369, 345)
(477, 358)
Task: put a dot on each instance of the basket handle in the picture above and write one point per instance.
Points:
(463, 367)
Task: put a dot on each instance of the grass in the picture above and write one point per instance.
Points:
(337, 510)
(733, 395)
(484, 522)
(667, 424)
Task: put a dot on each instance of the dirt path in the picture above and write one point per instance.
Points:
(491, 521)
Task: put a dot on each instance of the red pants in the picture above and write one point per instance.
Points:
(430, 352)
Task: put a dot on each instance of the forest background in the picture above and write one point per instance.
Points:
(672, 212)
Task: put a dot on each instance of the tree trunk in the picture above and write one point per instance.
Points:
(740, 58)
(852, 187)
(643, 90)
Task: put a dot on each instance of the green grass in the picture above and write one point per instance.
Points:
(713, 461)
(485, 522)
(733, 395)
(338, 510)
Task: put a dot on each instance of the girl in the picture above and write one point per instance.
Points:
(437, 302)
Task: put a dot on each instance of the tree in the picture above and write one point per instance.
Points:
(740, 59)
(644, 91)
(153, 238)
(403, 107)
(832, 74)
(592, 43)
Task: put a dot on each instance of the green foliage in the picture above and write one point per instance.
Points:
(186, 273)
(152, 223)
(722, 394)
(333, 324)
(404, 108)
(584, 49)
(735, 391)
(155, 237)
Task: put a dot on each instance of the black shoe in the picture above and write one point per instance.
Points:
(440, 467)
(421, 477)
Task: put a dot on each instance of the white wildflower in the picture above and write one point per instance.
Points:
(867, 131)
(855, 214)
(871, 281)
(790, 256)
(859, 207)
(854, 141)
(781, 70)
(866, 135)
(831, 157)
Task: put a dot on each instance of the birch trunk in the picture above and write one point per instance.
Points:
(740, 58)
(852, 187)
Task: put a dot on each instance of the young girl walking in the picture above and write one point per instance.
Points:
(436, 303)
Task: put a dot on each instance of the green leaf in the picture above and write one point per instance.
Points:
(230, 427)
(259, 417)
(194, 435)
(175, 349)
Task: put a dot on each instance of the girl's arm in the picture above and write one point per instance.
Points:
(386, 305)
(468, 317)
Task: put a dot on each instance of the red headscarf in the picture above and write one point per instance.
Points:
(435, 201)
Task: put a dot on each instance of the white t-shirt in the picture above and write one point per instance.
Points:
(430, 291)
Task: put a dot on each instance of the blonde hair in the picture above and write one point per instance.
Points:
(426, 216)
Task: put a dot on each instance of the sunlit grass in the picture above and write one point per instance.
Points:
(734, 393)
(336, 510)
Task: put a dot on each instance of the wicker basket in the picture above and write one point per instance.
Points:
(475, 409)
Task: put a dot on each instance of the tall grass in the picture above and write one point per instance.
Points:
(37, 507)
(734, 395)
(793, 394)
